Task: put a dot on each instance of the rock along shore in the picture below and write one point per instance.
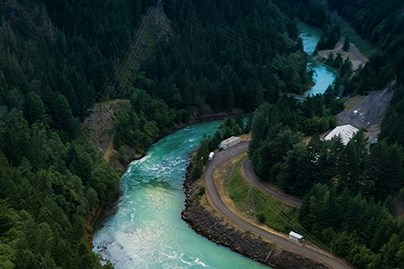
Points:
(206, 223)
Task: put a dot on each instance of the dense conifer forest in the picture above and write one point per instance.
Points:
(54, 58)
(222, 57)
(350, 192)
(58, 57)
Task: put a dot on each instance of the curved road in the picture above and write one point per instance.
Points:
(211, 190)
(272, 190)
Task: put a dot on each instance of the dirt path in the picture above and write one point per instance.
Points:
(215, 198)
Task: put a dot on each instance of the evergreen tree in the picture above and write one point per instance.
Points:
(346, 45)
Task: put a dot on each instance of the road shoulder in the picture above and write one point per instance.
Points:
(208, 222)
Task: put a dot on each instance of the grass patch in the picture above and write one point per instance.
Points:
(263, 207)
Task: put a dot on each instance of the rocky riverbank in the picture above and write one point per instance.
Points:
(211, 226)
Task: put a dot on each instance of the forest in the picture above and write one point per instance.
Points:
(54, 58)
(225, 57)
(349, 192)
(57, 58)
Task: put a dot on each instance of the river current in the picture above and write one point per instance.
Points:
(146, 230)
(323, 76)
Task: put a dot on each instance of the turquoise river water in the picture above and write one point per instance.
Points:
(147, 231)
(323, 76)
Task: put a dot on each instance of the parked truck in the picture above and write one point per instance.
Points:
(231, 141)
(298, 238)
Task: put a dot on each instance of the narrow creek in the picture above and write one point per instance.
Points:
(147, 231)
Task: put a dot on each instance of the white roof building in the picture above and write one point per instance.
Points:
(345, 131)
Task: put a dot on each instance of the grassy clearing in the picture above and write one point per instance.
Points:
(255, 203)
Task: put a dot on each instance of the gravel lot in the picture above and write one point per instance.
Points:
(369, 112)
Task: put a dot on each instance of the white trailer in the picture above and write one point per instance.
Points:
(211, 155)
(231, 141)
(298, 238)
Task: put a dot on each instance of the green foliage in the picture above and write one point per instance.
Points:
(51, 177)
(363, 231)
(201, 191)
(340, 183)
(230, 127)
(254, 202)
(393, 122)
(275, 132)
(222, 57)
(308, 11)
(331, 35)
(261, 218)
(278, 156)
(143, 123)
(379, 22)
(56, 57)
(45, 206)
(346, 45)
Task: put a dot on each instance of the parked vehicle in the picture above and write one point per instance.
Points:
(211, 155)
(231, 141)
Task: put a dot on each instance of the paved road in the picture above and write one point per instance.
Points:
(282, 242)
(272, 190)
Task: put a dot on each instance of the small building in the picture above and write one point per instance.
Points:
(231, 141)
(211, 155)
(346, 132)
(296, 237)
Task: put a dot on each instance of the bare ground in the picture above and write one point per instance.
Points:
(99, 126)
(353, 54)
(367, 112)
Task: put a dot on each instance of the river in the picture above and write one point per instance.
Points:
(323, 76)
(147, 231)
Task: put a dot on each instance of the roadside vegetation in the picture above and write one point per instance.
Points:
(350, 192)
(58, 58)
(231, 126)
(255, 203)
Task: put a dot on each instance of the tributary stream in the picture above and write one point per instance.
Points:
(146, 231)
